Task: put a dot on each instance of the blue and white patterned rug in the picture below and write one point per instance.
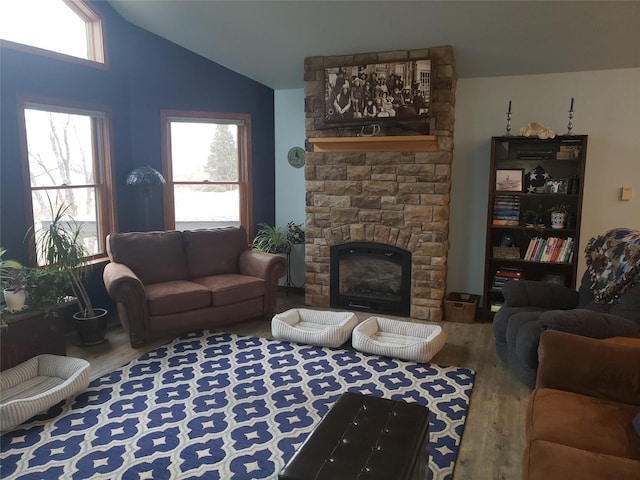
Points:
(220, 406)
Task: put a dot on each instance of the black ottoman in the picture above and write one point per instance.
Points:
(365, 438)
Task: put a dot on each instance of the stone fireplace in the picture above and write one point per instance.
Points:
(390, 190)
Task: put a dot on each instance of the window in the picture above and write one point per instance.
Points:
(68, 163)
(207, 167)
(69, 27)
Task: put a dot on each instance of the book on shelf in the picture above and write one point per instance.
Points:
(527, 253)
(506, 210)
(535, 248)
(509, 272)
(548, 249)
(541, 246)
(538, 249)
(498, 282)
(509, 212)
(504, 223)
(557, 244)
(495, 306)
(534, 154)
(568, 152)
(566, 253)
(511, 199)
(552, 249)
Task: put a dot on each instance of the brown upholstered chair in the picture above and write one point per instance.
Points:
(579, 421)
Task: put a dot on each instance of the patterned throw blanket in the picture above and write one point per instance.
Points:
(613, 260)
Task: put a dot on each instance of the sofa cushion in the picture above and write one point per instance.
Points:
(215, 251)
(232, 288)
(587, 423)
(153, 256)
(545, 460)
(176, 296)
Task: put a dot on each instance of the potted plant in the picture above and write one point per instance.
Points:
(272, 239)
(60, 246)
(6, 266)
(559, 213)
(534, 219)
(48, 287)
(14, 290)
(12, 282)
(295, 233)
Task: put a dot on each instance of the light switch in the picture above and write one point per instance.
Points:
(626, 193)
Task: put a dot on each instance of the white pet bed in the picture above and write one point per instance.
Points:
(37, 384)
(315, 327)
(392, 338)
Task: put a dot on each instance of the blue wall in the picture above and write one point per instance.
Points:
(146, 74)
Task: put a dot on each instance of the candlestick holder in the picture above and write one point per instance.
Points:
(508, 124)
(570, 124)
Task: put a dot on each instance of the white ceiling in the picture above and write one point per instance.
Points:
(268, 40)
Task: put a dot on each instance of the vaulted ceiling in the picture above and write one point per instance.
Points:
(268, 40)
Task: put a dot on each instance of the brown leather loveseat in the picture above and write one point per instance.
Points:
(580, 422)
(173, 282)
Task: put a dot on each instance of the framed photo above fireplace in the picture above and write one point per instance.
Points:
(378, 92)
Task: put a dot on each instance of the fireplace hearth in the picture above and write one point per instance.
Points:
(370, 277)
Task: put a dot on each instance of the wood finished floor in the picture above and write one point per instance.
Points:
(493, 439)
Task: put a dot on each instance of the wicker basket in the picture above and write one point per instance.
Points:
(506, 252)
(460, 307)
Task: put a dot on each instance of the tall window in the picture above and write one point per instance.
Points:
(208, 170)
(69, 27)
(68, 163)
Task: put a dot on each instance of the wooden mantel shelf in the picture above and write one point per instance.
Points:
(399, 143)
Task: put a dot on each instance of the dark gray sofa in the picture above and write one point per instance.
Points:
(532, 307)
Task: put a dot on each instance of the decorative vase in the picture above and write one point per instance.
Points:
(15, 300)
(558, 219)
(91, 329)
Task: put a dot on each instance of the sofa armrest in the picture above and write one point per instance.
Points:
(578, 322)
(588, 366)
(126, 289)
(588, 323)
(270, 268)
(262, 265)
(530, 293)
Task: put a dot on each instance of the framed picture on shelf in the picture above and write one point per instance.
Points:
(509, 180)
(556, 185)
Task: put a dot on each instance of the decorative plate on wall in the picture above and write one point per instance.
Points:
(296, 157)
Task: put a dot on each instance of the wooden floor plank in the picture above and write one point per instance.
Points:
(493, 439)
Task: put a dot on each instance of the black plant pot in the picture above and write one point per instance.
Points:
(91, 329)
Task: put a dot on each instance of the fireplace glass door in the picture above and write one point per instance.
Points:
(370, 277)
